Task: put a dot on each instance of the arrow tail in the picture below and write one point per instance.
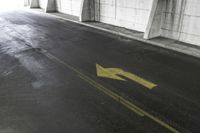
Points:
(140, 80)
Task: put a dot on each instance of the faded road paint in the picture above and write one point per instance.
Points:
(129, 105)
(115, 73)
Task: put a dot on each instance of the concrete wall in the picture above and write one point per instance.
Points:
(154, 24)
(34, 4)
(175, 19)
(88, 11)
(181, 20)
(172, 15)
(43, 3)
(27, 2)
(132, 14)
(71, 7)
(190, 31)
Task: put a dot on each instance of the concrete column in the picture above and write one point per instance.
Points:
(51, 6)
(87, 10)
(155, 20)
(34, 4)
(97, 10)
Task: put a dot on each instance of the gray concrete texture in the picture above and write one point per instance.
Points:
(185, 48)
(174, 19)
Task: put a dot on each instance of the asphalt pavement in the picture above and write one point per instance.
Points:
(57, 76)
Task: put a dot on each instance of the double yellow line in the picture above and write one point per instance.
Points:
(115, 96)
(127, 104)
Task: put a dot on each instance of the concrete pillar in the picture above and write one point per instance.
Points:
(155, 20)
(87, 10)
(173, 26)
(51, 6)
(34, 4)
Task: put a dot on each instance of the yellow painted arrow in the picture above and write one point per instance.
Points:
(115, 73)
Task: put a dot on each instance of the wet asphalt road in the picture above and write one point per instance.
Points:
(41, 94)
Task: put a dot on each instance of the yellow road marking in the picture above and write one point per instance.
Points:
(128, 104)
(115, 96)
(113, 73)
(111, 94)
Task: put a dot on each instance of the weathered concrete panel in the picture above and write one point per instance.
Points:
(34, 4)
(153, 28)
(131, 14)
(175, 19)
(173, 15)
(179, 20)
(43, 4)
(190, 27)
(71, 7)
(51, 7)
(87, 11)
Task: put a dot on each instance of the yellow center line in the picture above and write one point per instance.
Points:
(131, 106)
(128, 104)
(111, 94)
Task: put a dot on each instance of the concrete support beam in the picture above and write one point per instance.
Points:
(34, 4)
(51, 6)
(155, 20)
(87, 10)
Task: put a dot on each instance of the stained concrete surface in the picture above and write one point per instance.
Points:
(171, 44)
(40, 95)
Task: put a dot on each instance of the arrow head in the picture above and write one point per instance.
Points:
(109, 72)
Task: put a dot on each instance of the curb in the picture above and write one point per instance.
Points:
(184, 49)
